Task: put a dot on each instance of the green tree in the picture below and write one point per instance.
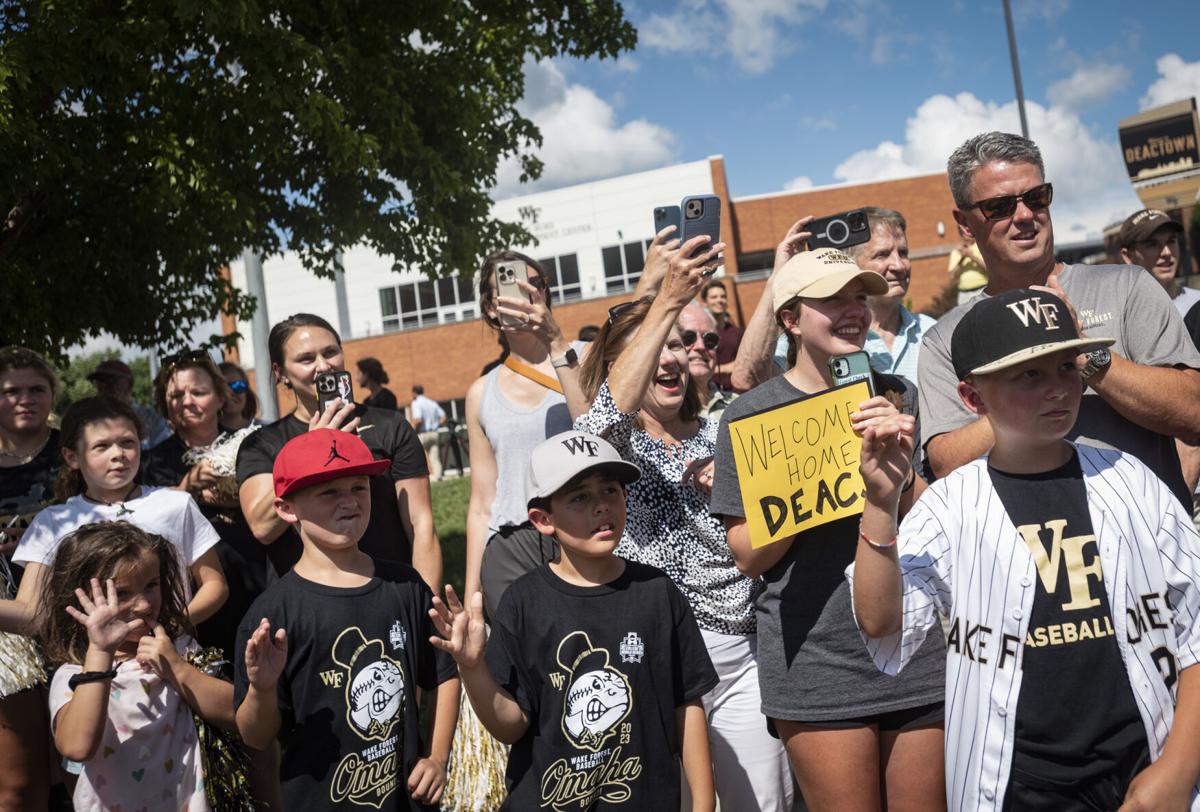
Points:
(144, 143)
(73, 384)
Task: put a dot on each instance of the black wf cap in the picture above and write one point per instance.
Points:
(1014, 327)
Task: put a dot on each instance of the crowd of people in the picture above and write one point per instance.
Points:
(205, 612)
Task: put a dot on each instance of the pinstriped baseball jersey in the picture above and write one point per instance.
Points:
(960, 555)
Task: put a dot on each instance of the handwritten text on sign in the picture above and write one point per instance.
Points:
(798, 464)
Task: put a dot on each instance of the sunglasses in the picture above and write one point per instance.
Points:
(711, 340)
(997, 208)
(238, 387)
(615, 311)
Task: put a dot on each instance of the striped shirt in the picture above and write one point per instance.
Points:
(972, 566)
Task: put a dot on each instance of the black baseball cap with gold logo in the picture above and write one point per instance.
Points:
(1016, 326)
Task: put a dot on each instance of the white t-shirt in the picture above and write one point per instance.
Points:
(165, 511)
(148, 756)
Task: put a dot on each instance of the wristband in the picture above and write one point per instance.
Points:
(878, 545)
(90, 676)
(912, 480)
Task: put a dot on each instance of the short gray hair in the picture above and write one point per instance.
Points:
(698, 310)
(983, 149)
(876, 217)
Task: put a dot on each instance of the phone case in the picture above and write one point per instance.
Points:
(840, 230)
(507, 274)
(333, 385)
(666, 216)
(854, 366)
(700, 214)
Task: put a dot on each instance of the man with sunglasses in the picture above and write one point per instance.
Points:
(114, 379)
(1142, 393)
(698, 329)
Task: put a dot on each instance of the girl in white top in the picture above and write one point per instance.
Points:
(102, 449)
(123, 695)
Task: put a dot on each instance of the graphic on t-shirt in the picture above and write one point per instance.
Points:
(632, 648)
(374, 684)
(1079, 557)
(598, 695)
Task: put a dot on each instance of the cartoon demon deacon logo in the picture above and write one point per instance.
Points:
(374, 684)
(598, 696)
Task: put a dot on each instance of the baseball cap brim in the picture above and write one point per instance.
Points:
(1029, 353)
(624, 472)
(831, 283)
(372, 468)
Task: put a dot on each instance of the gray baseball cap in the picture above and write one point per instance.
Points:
(559, 459)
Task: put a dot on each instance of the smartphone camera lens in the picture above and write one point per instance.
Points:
(837, 232)
(695, 208)
(839, 367)
(858, 221)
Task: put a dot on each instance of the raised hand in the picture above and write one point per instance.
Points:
(156, 651)
(700, 474)
(793, 242)
(658, 260)
(337, 415)
(265, 656)
(101, 616)
(879, 411)
(529, 314)
(885, 461)
(463, 635)
(690, 268)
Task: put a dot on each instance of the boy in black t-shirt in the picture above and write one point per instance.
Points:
(595, 666)
(1070, 574)
(338, 679)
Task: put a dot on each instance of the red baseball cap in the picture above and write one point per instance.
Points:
(321, 455)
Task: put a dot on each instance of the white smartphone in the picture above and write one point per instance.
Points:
(507, 274)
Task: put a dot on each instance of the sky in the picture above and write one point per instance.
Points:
(797, 93)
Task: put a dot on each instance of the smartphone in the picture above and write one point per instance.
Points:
(666, 216)
(331, 386)
(839, 230)
(701, 215)
(851, 367)
(507, 274)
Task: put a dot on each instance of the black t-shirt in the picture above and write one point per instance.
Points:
(1192, 322)
(1076, 716)
(390, 437)
(383, 399)
(242, 556)
(348, 693)
(26, 489)
(600, 671)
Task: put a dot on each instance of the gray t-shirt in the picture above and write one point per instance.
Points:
(1121, 302)
(812, 663)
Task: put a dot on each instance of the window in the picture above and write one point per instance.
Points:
(755, 261)
(623, 265)
(427, 302)
(563, 276)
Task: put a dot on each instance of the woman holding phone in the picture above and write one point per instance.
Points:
(856, 738)
(641, 397)
(401, 527)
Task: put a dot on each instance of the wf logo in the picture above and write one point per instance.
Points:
(556, 679)
(1032, 308)
(581, 445)
(332, 678)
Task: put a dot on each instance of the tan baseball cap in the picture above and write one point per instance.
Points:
(820, 273)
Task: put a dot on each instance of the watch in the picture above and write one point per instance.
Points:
(568, 359)
(1097, 360)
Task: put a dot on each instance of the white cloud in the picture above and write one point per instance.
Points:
(581, 137)
(1091, 189)
(1087, 86)
(753, 32)
(798, 184)
(1176, 80)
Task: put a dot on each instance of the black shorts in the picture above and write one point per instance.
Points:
(890, 722)
(1100, 794)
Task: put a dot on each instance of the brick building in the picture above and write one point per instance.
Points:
(592, 237)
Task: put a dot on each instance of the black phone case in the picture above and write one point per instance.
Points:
(666, 216)
(820, 231)
(709, 221)
(333, 385)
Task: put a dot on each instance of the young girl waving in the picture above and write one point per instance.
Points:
(101, 447)
(122, 697)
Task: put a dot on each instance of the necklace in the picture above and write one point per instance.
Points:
(25, 459)
(123, 511)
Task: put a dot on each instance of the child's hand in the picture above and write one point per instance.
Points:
(265, 656)
(885, 461)
(427, 781)
(463, 635)
(1158, 788)
(101, 616)
(156, 651)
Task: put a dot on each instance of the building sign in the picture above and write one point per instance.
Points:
(1160, 142)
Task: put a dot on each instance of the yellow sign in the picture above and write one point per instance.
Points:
(797, 464)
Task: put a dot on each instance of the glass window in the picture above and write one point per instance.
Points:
(634, 258)
(612, 261)
(387, 302)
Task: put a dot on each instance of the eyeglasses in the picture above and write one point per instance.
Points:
(997, 208)
(186, 357)
(238, 387)
(616, 310)
(711, 340)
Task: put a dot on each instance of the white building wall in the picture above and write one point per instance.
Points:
(578, 220)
